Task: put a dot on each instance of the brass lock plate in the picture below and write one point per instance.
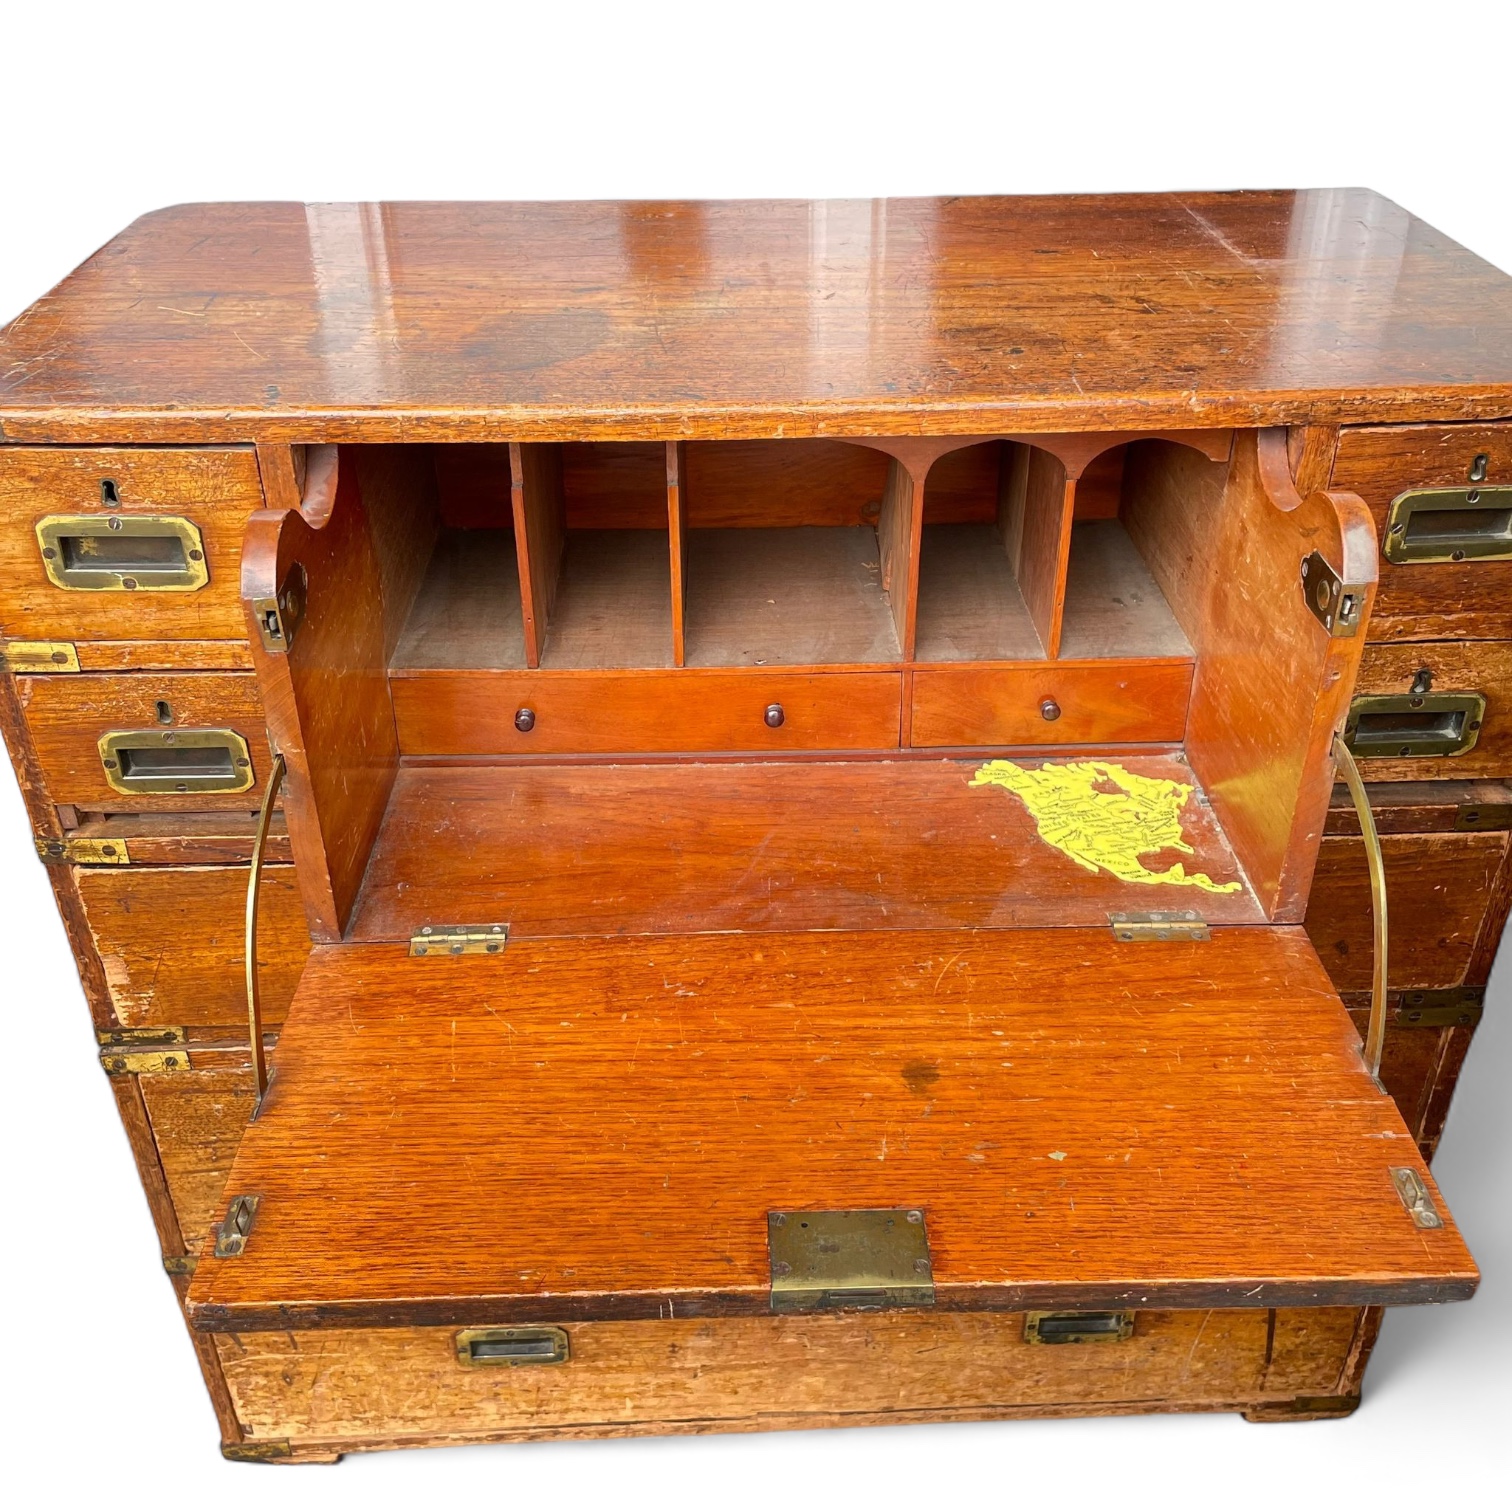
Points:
(176, 761)
(1471, 524)
(849, 1258)
(1395, 725)
(122, 553)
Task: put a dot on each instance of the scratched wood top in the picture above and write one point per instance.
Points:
(599, 1128)
(590, 849)
(748, 318)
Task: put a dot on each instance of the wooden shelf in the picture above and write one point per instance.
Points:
(1114, 607)
(803, 596)
(970, 606)
(667, 849)
(582, 1129)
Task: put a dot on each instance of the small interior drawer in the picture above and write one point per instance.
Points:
(123, 544)
(1051, 704)
(188, 740)
(512, 713)
(1442, 500)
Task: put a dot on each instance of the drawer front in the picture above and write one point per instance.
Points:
(70, 716)
(481, 713)
(1441, 890)
(1420, 600)
(1451, 678)
(171, 939)
(198, 1117)
(186, 567)
(1053, 704)
(358, 1388)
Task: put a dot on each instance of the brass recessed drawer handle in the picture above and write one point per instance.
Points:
(512, 1346)
(1078, 1327)
(176, 761)
(123, 553)
(249, 951)
(1375, 1032)
(1450, 525)
(1395, 725)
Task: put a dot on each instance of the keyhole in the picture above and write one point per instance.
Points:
(1478, 468)
(110, 495)
(164, 712)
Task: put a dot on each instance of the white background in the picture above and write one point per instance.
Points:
(113, 112)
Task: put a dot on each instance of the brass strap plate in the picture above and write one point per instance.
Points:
(1336, 605)
(1136, 928)
(1440, 1008)
(850, 1258)
(176, 761)
(122, 1062)
(1470, 818)
(1397, 725)
(119, 553)
(1078, 1327)
(1414, 1194)
(231, 1234)
(459, 940)
(85, 852)
(39, 656)
(1449, 525)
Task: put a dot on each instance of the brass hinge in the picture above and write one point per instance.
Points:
(1409, 1187)
(1440, 1008)
(1138, 927)
(39, 656)
(278, 618)
(231, 1234)
(850, 1258)
(179, 1265)
(1336, 605)
(84, 852)
(459, 939)
(155, 1036)
(259, 1453)
(143, 1062)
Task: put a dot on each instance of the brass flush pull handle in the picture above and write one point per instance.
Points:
(512, 1346)
(1078, 1328)
(254, 876)
(1375, 1033)
(122, 553)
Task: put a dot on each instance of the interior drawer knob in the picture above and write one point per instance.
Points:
(1049, 709)
(774, 716)
(524, 720)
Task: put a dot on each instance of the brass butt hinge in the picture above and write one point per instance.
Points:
(1414, 1194)
(459, 939)
(1336, 605)
(231, 1235)
(123, 1062)
(39, 656)
(135, 1037)
(864, 1258)
(179, 1265)
(1136, 928)
(278, 618)
(84, 852)
(1439, 1008)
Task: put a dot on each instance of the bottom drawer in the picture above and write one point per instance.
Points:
(350, 1389)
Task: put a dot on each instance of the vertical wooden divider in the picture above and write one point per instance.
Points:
(1036, 501)
(899, 532)
(540, 525)
(677, 530)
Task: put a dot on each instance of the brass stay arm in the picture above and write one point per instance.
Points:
(254, 876)
(1375, 1033)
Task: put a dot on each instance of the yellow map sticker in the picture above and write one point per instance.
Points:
(1104, 817)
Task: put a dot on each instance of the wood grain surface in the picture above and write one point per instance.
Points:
(214, 488)
(638, 321)
(1084, 1123)
(1430, 600)
(676, 848)
(358, 1388)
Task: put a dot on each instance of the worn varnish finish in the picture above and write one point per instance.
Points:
(644, 321)
(996, 1082)
(578, 849)
(744, 1374)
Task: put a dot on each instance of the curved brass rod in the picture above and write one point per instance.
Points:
(254, 876)
(1375, 1033)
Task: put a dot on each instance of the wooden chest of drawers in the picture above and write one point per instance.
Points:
(747, 877)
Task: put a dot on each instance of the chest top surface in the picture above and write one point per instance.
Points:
(745, 318)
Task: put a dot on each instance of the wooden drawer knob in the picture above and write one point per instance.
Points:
(1049, 709)
(775, 717)
(525, 720)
